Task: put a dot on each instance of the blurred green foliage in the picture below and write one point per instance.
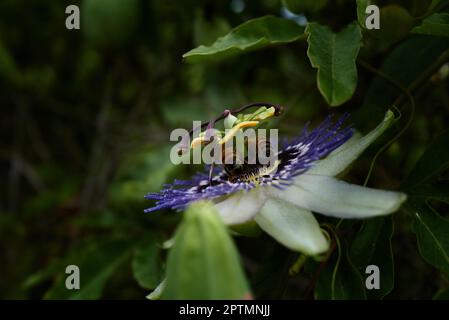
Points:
(86, 117)
(203, 263)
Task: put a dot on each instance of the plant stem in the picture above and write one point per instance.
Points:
(297, 266)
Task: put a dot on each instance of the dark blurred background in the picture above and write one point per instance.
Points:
(85, 122)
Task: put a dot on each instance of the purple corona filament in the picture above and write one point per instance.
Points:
(295, 158)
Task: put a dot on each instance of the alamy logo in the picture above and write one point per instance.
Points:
(372, 20)
(373, 279)
(72, 282)
(73, 19)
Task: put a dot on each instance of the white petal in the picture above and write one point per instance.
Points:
(241, 206)
(294, 227)
(336, 198)
(341, 158)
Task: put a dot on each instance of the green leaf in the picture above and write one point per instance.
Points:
(340, 279)
(334, 55)
(432, 234)
(422, 184)
(43, 274)
(442, 295)
(203, 262)
(146, 266)
(299, 6)
(251, 35)
(434, 161)
(361, 11)
(96, 266)
(404, 68)
(157, 292)
(435, 25)
(8, 68)
(435, 3)
(372, 246)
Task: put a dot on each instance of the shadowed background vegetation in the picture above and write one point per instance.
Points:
(86, 117)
